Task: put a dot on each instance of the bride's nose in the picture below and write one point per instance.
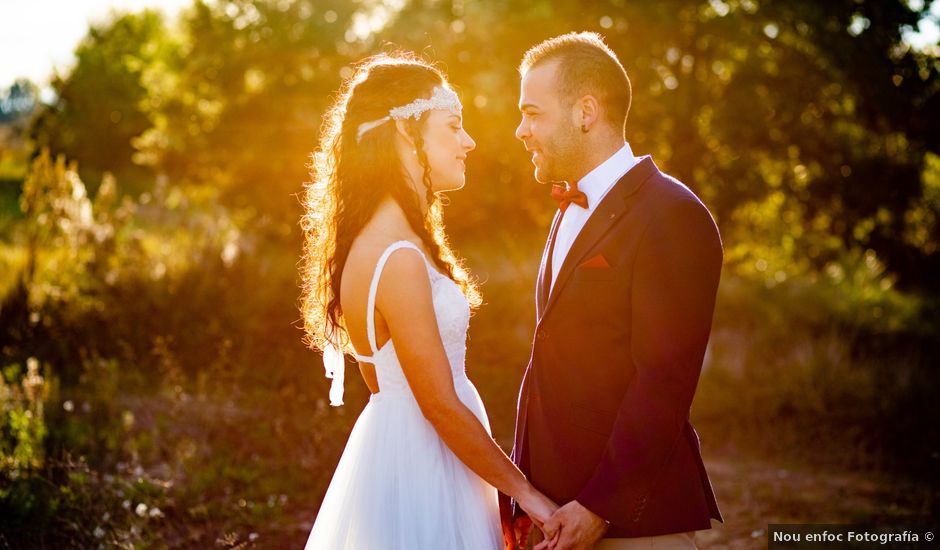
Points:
(468, 142)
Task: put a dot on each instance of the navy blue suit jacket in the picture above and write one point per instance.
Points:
(603, 412)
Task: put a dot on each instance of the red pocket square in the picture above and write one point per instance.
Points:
(597, 262)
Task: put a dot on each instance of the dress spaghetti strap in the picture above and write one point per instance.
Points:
(373, 288)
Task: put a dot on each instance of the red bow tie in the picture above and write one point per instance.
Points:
(565, 196)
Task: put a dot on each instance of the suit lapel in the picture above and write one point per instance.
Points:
(607, 214)
(542, 284)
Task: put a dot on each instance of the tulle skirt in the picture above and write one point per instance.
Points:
(398, 486)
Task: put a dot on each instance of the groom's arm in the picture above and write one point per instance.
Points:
(673, 297)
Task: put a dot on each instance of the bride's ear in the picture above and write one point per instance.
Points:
(401, 131)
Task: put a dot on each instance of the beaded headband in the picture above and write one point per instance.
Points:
(441, 98)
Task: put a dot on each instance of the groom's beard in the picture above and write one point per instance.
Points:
(558, 156)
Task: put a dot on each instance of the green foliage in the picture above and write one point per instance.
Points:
(101, 104)
(163, 310)
(922, 221)
(740, 100)
(70, 504)
(22, 426)
(136, 307)
(842, 361)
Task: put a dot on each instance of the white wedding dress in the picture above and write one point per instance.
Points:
(397, 485)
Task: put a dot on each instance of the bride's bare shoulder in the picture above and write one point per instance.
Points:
(357, 276)
(364, 255)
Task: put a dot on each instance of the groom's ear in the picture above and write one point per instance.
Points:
(586, 112)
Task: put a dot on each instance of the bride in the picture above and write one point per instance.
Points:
(420, 469)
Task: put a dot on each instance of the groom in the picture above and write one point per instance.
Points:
(624, 303)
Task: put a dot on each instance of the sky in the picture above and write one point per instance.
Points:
(38, 36)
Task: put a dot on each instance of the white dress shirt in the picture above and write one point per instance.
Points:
(595, 185)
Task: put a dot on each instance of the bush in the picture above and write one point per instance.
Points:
(836, 366)
(164, 373)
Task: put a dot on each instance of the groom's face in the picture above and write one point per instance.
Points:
(547, 128)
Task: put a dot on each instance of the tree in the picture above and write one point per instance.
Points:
(244, 109)
(820, 109)
(102, 103)
(18, 101)
(822, 104)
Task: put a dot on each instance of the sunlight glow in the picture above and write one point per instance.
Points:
(373, 19)
(39, 36)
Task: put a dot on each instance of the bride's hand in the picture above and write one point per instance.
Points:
(539, 507)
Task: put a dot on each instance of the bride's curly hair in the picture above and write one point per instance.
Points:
(350, 179)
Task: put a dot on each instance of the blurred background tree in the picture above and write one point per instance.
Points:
(155, 280)
(100, 105)
(739, 99)
(18, 102)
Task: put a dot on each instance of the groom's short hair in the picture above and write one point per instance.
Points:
(586, 66)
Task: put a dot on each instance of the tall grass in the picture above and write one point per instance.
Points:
(171, 401)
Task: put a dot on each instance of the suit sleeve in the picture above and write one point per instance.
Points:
(675, 281)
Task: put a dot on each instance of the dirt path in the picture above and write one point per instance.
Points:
(753, 493)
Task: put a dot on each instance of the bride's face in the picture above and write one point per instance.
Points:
(446, 144)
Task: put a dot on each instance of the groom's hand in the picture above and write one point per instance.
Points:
(521, 528)
(580, 528)
(509, 542)
(515, 532)
(505, 521)
(516, 535)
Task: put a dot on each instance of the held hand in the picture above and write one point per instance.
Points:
(548, 544)
(539, 508)
(577, 527)
(520, 532)
(506, 522)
